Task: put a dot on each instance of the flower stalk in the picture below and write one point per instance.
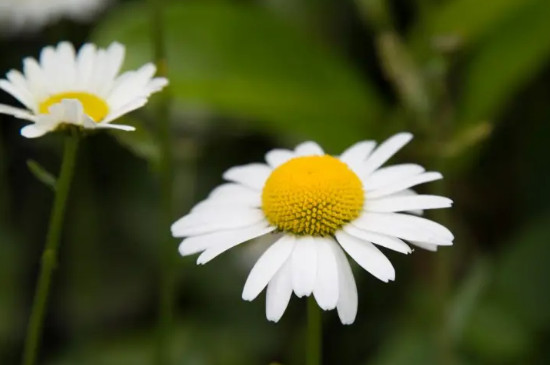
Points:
(50, 253)
(167, 255)
(314, 333)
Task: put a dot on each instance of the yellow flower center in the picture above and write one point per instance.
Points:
(314, 195)
(96, 108)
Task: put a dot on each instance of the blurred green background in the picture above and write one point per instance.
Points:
(470, 79)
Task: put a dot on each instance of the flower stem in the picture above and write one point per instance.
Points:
(314, 333)
(167, 255)
(49, 255)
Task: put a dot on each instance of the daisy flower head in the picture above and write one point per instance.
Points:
(317, 208)
(25, 15)
(81, 89)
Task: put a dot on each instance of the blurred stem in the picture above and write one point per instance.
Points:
(314, 333)
(49, 255)
(396, 61)
(167, 255)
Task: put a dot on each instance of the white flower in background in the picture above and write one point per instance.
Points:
(318, 205)
(24, 15)
(81, 89)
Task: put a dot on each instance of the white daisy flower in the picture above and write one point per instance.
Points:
(33, 14)
(321, 207)
(81, 89)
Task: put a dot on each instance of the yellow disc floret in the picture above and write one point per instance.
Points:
(313, 195)
(95, 107)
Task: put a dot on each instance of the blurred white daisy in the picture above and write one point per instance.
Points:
(81, 89)
(25, 15)
(320, 206)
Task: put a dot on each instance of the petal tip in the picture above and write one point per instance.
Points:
(247, 297)
(273, 319)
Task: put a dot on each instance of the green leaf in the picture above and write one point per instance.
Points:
(244, 62)
(468, 19)
(42, 174)
(505, 61)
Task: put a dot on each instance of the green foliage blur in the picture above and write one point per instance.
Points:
(471, 80)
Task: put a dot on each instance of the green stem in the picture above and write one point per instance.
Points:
(49, 256)
(314, 333)
(167, 287)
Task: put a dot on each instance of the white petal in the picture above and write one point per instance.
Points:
(407, 203)
(195, 244)
(231, 192)
(66, 66)
(120, 127)
(277, 157)
(212, 252)
(404, 184)
(123, 86)
(406, 192)
(304, 266)
(367, 256)
(85, 61)
(358, 152)
(35, 79)
(278, 293)
(73, 110)
(228, 196)
(384, 152)
(209, 206)
(131, 85)
(390, 175)
(202, 222)
(16, 112)
(326, 286)
(409, 192)
(155, 85)
(69, 111)
(20, 83)
(20, 94)
(266, 267)
(309, 149)
(425, 245)
(48, 62)
(253, 175)
(125, 109)
(100, 66)
(380, 239)
(115, 57)
(405, 226)
(347, 298)
(33, 131)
